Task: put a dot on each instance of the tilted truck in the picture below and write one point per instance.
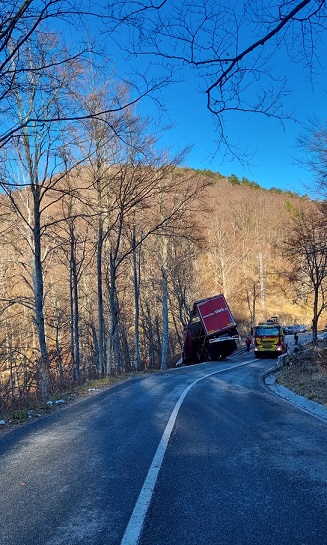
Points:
(211, 333)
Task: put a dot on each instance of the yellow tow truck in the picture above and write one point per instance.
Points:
(269, 339)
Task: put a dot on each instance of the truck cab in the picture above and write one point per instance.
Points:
(269, 339)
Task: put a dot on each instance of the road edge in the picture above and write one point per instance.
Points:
(312, 407)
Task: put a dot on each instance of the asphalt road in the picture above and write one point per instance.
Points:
(221, 459)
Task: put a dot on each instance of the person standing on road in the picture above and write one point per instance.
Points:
(248, 343)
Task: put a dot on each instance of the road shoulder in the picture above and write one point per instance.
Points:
(303, 403)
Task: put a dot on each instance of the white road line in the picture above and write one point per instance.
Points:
(134, 527)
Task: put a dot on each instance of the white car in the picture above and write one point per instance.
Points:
(322, 336)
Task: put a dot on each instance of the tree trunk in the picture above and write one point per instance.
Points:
(165, 329)
(136, 276)
(165, 324)
(315, 316)
(114, 323)
(39, 296)
(76, 333)
(101, 351)
(71, 307)
(74, 309)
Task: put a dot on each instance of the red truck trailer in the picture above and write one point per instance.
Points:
(211, 333)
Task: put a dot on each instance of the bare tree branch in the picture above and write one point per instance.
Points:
(234, 49)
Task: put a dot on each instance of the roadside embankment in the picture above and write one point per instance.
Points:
(301, 378)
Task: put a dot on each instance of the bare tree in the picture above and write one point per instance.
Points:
(21, 21)
(137, 283)
(313, 142)
(175, 212)
(306, 248)
(32, 163)
(99, 145)
(77, 254)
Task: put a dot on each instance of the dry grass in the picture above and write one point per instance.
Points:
(305, 373)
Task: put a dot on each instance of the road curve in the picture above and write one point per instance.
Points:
(237, 465)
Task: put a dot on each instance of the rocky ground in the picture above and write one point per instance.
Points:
(305, 373)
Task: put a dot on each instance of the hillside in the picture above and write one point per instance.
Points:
(123, 256)
(244, 226)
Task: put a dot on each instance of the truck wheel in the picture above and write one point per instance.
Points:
(187, 346)
(206, 356)
(186, 361)
(257, 355)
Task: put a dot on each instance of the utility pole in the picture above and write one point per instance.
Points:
(262, 283)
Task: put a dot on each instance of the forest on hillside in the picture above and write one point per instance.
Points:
(120, 254)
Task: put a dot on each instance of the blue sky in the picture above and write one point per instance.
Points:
(275, 162)
(274, 145)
